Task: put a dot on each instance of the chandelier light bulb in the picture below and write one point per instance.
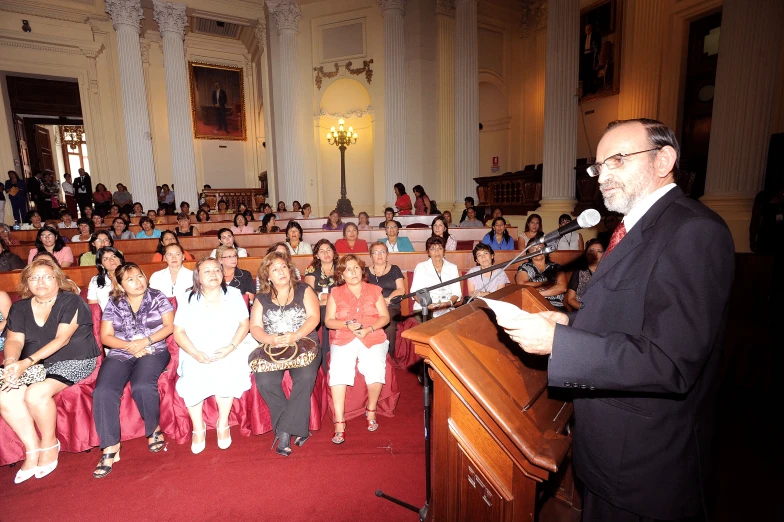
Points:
(341, 121)
(332, 129)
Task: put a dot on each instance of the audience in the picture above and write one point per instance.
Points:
(489, 282)
(611, 221)
(100, 286)
(277, 320)
(102, 199)
(123, 199)
(281, 206)
(579, 280)
(5, 308)
(202, 216)
(395, 242)
(120, 229)
(295, 206)
(439, 228)
(213, 361)
(422, 202)
(268, 224)
(234, 276)
(469, 203)
(499, 238)
(357, 312)
(294, 241)
(166, 198)
(8, 260)
(167, 238)
(241, 225)
(320, 275)
(138, 210)
(389, 215)
(87, 212)
(135, 325)
(33, 221)
(544, 275)
(448, 218)
(97, 221)
(471, 220)
(497, 213)
(533, 229)
(306, 210)
(41, 361)
(17, 193)
(184, 227)
(175, 279)
(148, 230)
(434, 271)
(66, 220)
(572, 240)
(226, 237)
(98, 240)
(333, 222)
(403, 201)
(350, 242)
(86, 230)
(223, 207)
(48, 238)
(185, 208)
(390, 279)
(5, 235)
(363, 221)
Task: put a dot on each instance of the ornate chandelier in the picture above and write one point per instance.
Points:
(72, 136)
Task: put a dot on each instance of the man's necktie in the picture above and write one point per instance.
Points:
(618, 234)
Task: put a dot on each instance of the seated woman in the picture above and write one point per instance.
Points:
(497, 213)
(167, 238)
(8, 260)
(435, 271)
(66, 221)
(284, 311)
(211, 364)
(296, 206)
(226, 237)
(108, 259)
(488, 282)
(120, 230)
(5, 308)
(283, 248)
(440, 228)
(148, 230)
(64, 345)
(102, 199)
(390, 279)
(86, 230)
(320, 275)
(241, 225)
(572, 240)
(579, 280)
(533, 229)
(33, 221)
(48, 238)
(294, 241)
(447, 218)
(281, 206)
(175, 279)
(350, 244)
(98, 240)
(223, 207)
(243, 209)
(202, 216)
(5, 235)
(396, 242)
(268, 224)
(307, 210)
(499, 238)
(547, 277)
(333, 222)
(138, 210)
(233, 275)
(266, 208)
(357, 312)
(184, 227)
(363, 221)
(135, 324)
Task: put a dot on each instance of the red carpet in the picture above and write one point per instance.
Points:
(319, 481)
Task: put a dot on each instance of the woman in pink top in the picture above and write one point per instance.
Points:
(356, 310)
(241, 225)
(49, 239)
(350, 244)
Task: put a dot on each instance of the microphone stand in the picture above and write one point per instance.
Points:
(423, 298)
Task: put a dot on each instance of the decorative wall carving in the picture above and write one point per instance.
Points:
(541, 16)
(170, 17)
(144, 45)
(445, 7)
(365, 69)
(125, 12)
(398, 5)
(353, 113)
(286, 15)
(260, 32)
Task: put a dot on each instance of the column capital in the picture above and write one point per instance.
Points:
(392, 5)
(171, 17)
(445, 7)
(125, 12)
(260, 32)
(286, 15)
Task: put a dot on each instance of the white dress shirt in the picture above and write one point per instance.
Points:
(644, 205)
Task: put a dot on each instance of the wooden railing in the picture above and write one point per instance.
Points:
(252, 197)
(514, 192)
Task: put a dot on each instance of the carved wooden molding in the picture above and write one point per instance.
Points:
(365, 69)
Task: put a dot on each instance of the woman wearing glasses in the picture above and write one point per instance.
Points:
(233, 275)
(64, 345)
(48, 238)
(435, 271)
(175, 279)
(98, 240)
(390, 279)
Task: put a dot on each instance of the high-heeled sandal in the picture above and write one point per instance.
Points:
(284, 446)
(224, 443)
(24, 474)
(300, 441)
(101, 470)
(45, 470)
(197, 448)
(157, 443)
(339, 437)
(372, 425)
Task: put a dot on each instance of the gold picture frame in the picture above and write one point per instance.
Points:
(217, 101)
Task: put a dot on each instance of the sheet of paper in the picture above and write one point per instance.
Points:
(502, 309)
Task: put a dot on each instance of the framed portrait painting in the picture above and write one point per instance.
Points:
(217, 101)
(600, 49)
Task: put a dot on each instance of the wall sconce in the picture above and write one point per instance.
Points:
(26, 26)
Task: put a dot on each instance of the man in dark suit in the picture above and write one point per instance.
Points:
(589, 55)
(83, 190)
(219, 100)
(643, 353)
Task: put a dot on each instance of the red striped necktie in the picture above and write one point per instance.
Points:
(618, 234)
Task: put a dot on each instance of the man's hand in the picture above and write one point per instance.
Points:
(534, 332)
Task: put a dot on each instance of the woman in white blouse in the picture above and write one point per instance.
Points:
(107, 259)
(226, 237)
(435, 271)
(175, 279)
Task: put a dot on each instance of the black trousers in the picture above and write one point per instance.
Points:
(114, 374)
(596, 509)
(391, 328)
(324, 339)
(290, 415)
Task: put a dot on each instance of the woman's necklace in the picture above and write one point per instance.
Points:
(44, 302)
(568, 238)
(482, 279)
(285, 301)
(296, 249)
(375, 273)
(438, 272)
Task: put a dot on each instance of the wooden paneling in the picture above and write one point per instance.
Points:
(43, 97)
(43, 144)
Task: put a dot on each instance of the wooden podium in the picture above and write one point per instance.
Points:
(500, 443)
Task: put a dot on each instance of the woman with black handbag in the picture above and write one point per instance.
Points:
(284, 319)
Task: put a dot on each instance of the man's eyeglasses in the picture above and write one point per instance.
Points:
(614, 161)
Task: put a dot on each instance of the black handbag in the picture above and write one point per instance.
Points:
(270, 358)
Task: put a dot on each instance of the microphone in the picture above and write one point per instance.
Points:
(589, 218)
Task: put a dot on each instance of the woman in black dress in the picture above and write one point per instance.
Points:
(390, 279)
(320, 275)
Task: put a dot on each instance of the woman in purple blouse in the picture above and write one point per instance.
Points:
(136, 322)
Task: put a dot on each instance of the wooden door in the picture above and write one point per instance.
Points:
(43, 143)
(21, 143)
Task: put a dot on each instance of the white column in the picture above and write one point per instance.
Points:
(395, 158)
(291, 172)
(172, 20)
(466, 100)
(445, 49)
(642, 50)
(260, 31)
(560, 105)
(126, 15)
